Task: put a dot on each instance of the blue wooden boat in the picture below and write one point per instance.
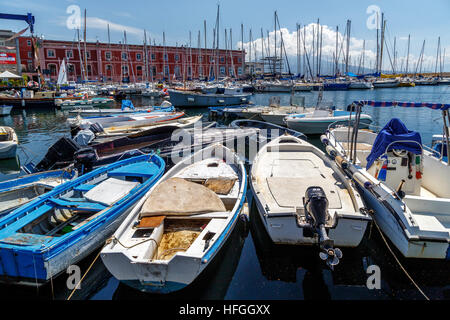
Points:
(41, 239)
(17, 192)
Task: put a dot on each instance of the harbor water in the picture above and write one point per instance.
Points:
(250, 266)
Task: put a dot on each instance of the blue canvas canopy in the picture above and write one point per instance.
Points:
(384, 104)
(127, 104)
(394, 131)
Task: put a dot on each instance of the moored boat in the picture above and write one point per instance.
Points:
(288, 170)
(193, 99)
(17, 192)
(41, 239)
(386, 83)
(84, 103)
(360, 85)
(5, 110)
(318, 121)
(137, 119)
(404, 183)
(167, 242)
(8, 143)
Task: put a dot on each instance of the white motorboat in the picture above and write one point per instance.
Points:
(276, 86)
(426, 81)
(8, 143)
(318, 121)
(180, 225)
(360, 85)
(405, 184)
(300, 86)
(385, 83)
(83, 103)
(113, 132)
(304, 198)
(5, 110)
(137, 119)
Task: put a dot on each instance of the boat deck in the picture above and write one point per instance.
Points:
(284, 177)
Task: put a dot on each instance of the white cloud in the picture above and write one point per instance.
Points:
(329, 48)
(98, 23)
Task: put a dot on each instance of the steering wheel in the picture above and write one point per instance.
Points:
(400, 153)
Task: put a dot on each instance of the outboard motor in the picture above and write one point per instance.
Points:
(316, 208)
(85, 160)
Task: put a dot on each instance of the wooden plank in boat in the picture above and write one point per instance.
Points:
(150, 222)
(220, 186)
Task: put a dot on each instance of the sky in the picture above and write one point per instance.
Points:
(423, 20)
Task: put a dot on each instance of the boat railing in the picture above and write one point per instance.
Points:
(434, 152)
(400, 141)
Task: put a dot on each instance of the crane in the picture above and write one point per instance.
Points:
(28, 18)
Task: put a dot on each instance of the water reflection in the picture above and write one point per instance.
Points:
(302, 265)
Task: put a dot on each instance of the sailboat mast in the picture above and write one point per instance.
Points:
(336, 70)
(383, 24)
(437, 55)
(85, 49)
(349, 24)
(407, 56)
(320, 50)
(275, 50)
(217, 44)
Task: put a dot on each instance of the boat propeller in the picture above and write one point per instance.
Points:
(330, 255)
(316, 206)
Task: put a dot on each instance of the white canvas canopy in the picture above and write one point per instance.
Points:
(9, 75)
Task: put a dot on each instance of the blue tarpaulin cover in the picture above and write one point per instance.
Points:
(395, 130)
(127, 104)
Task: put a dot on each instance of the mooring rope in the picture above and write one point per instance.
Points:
(401, 266)
(87, 271)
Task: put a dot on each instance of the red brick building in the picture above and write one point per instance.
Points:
(118, 62)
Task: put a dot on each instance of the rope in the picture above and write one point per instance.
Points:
(112, 239)
(401, 266)
(87, 271)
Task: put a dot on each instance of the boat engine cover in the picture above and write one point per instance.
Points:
(316, 205)
(85, 159)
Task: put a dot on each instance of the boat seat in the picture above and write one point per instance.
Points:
(150, 222)
(81, 206)
(289, 192)
(139, 169)
(359, 146)
(84, 187)
(110, 191)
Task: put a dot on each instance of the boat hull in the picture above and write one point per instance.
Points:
(181, 270)
(390, 227)
(35, 261)
(5, 110)
(385, 84)
(284, 230)
(319, 126)
(274, 118)
(187, 99)
(8, 150)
